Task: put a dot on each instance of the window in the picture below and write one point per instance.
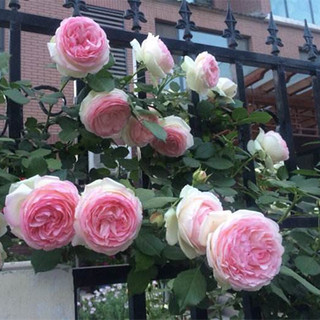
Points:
(114, 19)
(297, 9)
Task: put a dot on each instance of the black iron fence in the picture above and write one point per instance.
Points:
(17, 22)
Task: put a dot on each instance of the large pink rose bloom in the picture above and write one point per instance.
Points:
(79, 47)
(155, 55)
(197, 215)
(40, 210)
(105, 114)
(245, 251)
(201, 74)
(108, 217)
(135, 133)
(178, 140)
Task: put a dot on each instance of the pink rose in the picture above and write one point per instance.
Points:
(201, 74)
(79, 47)
(40, 210)
(155, 55)
(197, 215)
(135, 133)
(105, 114)
(270, 146)
(178, 140)
(108, 217)
(245, 251)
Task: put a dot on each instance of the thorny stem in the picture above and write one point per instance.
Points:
(244, 165)
(295, 200)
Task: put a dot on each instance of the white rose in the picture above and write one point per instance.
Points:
(197, 215)
(155, 55)
(270, 146)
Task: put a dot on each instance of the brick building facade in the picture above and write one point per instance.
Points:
(209, 16)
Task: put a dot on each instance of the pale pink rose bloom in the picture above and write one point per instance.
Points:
(135, 133)
(80, 46)
(197, 215)
(40, 210)
(178, 140)
(155, 55)
(108, 217)
(105, 114)
(271, 145)
(245, 252)
(201, 74)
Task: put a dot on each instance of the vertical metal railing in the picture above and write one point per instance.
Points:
(137, 303)
(14, 110)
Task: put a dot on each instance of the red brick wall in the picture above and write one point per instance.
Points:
(35, 57)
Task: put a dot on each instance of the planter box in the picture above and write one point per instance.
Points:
(42, 296)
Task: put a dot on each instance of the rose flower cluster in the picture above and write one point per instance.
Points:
(243, 248)
(48, 213)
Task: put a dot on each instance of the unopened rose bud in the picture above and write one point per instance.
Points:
(199, 176)
(157, 218)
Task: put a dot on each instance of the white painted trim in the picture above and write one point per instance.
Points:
(292, 23)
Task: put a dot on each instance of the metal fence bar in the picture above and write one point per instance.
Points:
(14, 110)
(316, 95)
(283, 113)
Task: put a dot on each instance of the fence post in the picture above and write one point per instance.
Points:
(283, 113)
(316, 96)
(14, 110)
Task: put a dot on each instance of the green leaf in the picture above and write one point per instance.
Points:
(290, 273)
(101, 81)
(307, 265)
(36, 166)
(52, 98)
(155, 129)
(306, 172)
(226, 192)
(129, 164)
(5, 139)
(144, 195)
(4, 63)
(54, 164)
(190, 162)
(173, 253)
(120, 152)
(219, 163)
(16, 96)
(7, 176)
(68, 135)
(260, 117)
(149, 244)
(40, 153)
(189, 288)
(239, 114)
(205, 109)
(139, 280)
(158, 202)
(282, 173)
(205, 151)
(143, 261)
(45, 260)
(279, 292)
(174, 86)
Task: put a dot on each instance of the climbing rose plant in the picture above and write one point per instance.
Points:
(170, 187)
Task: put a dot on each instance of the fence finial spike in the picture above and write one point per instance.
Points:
(135, 14)
(309, 47)
(77, 6)
(14, 5)
(231, 33)
(185, 23)
(272, 38)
